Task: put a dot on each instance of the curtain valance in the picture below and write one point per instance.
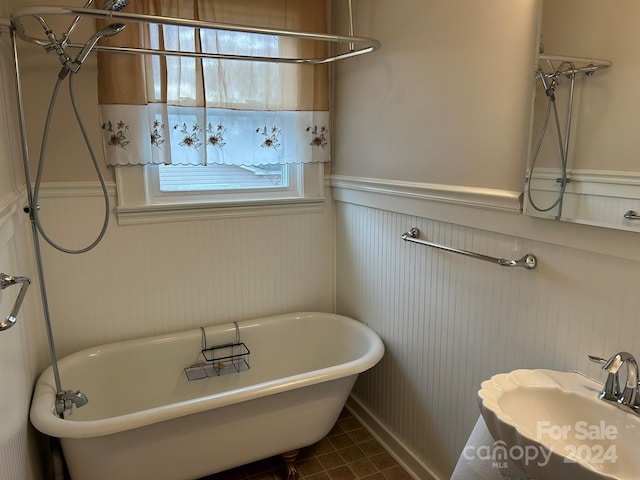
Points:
(179, 110)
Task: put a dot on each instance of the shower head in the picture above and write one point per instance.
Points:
(115, 5)
(548, 88)
(543, 79)
(107, 31)
(74, 66)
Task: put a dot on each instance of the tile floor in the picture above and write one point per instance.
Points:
(349, 452)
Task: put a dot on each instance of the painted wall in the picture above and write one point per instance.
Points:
(428, 109)
(446, 94)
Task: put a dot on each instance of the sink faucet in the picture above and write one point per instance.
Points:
(611, 390)
(629, 397)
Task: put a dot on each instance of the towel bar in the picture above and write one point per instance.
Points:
(7, 281)
(528, 261)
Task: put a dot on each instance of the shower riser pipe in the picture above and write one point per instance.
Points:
(29, 210)
(566, 142)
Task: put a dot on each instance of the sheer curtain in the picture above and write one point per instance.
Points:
(178, 110)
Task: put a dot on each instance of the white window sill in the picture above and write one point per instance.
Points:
(160, 213)
(134, 206)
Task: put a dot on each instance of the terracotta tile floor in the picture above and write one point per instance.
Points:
(349, 452)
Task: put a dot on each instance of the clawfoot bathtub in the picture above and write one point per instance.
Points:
(145, 419)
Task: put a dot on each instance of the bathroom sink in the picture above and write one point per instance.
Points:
(554, 426)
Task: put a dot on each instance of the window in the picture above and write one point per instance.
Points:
(205, 133)
(222, 183)
(140, 199)
(216, 178)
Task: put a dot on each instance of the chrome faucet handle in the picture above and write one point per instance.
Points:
(596, 359)
(611, 390)
(629, 395)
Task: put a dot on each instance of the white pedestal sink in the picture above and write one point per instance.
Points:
(554, 426)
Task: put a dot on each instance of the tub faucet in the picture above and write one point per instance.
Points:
(66, 399)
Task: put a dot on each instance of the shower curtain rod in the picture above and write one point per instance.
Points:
(365, 45)
(590, 64)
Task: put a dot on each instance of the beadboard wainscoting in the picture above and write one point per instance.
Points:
(23, 347)
(155, 278)
(19, 359)
(449, 321)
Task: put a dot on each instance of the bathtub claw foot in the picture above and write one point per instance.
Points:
(290, 460)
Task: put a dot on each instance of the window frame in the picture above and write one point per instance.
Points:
(136, 204)
(156, 195)
(139, 199)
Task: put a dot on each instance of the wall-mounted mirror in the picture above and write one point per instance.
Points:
(584, 163)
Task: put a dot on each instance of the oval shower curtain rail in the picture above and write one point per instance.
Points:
(365, 45)
(528, 261)
(590, 64)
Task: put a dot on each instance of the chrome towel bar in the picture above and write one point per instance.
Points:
(528, 261)
(7, 281)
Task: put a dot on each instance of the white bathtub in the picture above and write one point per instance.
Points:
(144, 418)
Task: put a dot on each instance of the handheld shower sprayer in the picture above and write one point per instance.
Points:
(112, 5)
(548, 89)
(74, 66)
(108, 31)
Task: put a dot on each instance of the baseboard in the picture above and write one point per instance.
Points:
(405, 457)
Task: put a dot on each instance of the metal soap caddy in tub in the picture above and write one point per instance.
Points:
(220, 359)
